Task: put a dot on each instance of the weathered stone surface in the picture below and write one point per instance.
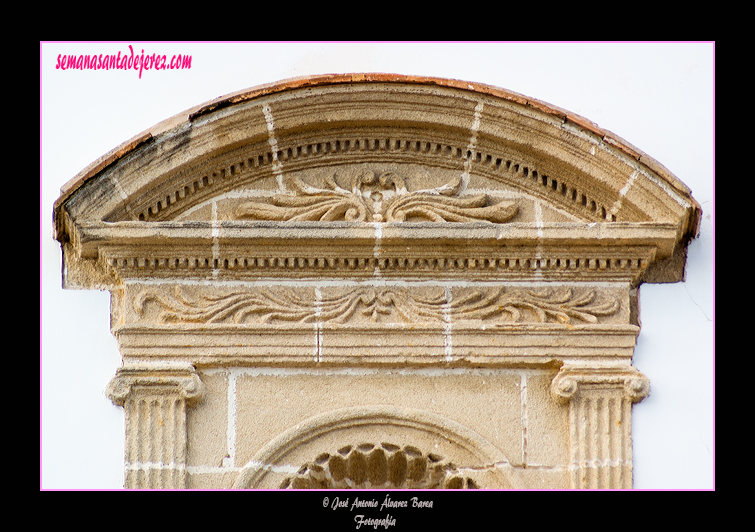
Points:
(376, 281)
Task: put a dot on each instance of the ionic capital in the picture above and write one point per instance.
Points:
(567, 383)
(180, 379)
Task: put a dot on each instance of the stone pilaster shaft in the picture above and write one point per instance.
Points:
(156, 441)
(600, 423)
(601, 446)
(155, 401)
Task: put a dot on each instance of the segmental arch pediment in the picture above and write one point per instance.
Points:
(385, 149)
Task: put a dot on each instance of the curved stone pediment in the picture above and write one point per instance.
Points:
(348, 271)
(381, 148)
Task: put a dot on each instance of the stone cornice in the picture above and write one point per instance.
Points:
(239, 250)
(379, 345)
(660, 235)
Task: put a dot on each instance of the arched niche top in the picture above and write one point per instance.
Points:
(339, 151)
(453, 453)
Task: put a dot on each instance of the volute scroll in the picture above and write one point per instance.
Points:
(372, 198)
(627, 380)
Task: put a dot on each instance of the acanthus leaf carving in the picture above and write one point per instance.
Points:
(395, 303)
(383, 198)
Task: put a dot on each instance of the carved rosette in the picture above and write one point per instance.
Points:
(600, 417)
(155, 401)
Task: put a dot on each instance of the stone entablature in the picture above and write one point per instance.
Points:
(321, 282)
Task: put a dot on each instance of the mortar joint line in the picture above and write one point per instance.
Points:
(145, 466)
(623, 192)
(471, 146)
(318, 324)
(523, 391)
(215, 240)
(273, 142)
(448, 325)
(230, 461)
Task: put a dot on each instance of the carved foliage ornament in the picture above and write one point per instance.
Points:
(376, 199)
(395, 303)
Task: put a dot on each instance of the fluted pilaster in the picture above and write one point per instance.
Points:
(600, 423)
(155, 399)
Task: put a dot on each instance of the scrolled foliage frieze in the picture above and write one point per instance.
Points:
(378, 304)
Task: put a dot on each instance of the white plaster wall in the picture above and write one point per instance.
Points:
(659, 97)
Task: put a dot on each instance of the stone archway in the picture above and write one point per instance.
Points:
(424, 451)
(427, 242)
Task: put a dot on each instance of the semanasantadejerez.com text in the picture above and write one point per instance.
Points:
(126, 61)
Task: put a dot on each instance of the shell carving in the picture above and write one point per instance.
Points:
(385, 465)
